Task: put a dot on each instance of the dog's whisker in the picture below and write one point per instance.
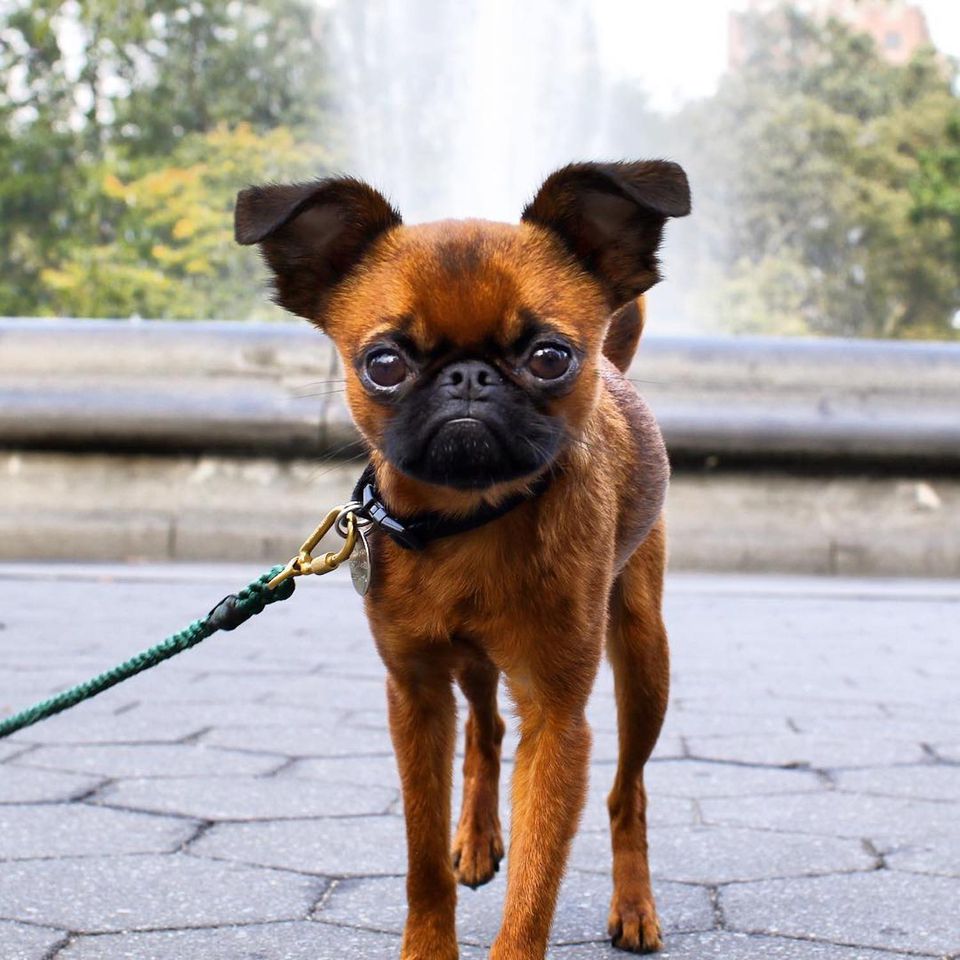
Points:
(336, 451)
(333, 459)
(321, 393)
(539, 451)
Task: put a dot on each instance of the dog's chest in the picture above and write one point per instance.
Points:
(499, 596)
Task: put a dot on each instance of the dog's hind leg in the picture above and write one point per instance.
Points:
(637, 649)
(478, 844)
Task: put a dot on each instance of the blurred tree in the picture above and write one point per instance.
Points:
(172, 254)
(936, 188)
(37, 153)
(825, 183)
(102, 92)
(155, 70)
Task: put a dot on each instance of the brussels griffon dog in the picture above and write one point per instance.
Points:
(520, 482)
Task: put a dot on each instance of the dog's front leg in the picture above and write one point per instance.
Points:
(423, 726)
(549, 790)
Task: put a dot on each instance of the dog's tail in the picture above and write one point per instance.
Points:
(623, 335)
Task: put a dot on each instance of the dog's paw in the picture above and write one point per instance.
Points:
(477, 852)
(633, 925)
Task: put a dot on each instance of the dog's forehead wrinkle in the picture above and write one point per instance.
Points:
(477, 281)
(469, 282)
(464, 295)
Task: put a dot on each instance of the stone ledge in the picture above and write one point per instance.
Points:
(118, 507)
(277, 389)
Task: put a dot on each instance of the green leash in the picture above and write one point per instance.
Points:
(228, 614)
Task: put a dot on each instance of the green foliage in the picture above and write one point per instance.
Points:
(827, 187)
(826, 181)
(126, 127)
(936, 187)
(172, 252)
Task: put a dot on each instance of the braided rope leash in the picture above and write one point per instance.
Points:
(228, 614)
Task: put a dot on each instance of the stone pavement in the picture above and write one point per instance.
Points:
(241, 801)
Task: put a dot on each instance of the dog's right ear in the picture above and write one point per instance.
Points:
(610, 216)
(311, 235)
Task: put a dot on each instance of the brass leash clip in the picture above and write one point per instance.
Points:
(304, 564)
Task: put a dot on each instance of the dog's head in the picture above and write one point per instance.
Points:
(471, 348)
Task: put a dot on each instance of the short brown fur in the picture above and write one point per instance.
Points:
(530, 597)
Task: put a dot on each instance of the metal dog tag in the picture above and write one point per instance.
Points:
(360, 568)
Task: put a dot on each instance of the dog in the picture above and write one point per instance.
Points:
(485, 371)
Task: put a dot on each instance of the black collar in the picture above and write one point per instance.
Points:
(421, 529)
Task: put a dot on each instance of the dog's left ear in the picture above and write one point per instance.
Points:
(611, 216)
(311, 235)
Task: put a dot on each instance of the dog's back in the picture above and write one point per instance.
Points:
(624, 333)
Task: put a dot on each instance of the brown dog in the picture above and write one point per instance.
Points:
(484, 369)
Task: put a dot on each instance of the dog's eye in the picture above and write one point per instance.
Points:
(386, 368)
(549, 361)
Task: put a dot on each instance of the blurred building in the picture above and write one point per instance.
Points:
(899, 28)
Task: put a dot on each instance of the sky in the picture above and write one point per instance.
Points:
(678, 49)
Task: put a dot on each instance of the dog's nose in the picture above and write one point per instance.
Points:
(469, 380)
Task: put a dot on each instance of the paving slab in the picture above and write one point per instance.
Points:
(701, 779)
(274, 941)
(765, 704)
(717, 855)
(23, 785)
(886, 821)
(11, 749)
(686, 722)
(151, 760)
(917, 781)
(803, 798)
(21, 942)
(947, 751)
(58, 830)
(934, 853)
(912, 730)
(378, 904)
(313, 692)
(794, 749)
(881, 909)
(200, 715)
(84, 725)
(376, 771)
(302, 740)
(730, 946)
(248, 798)
(346, 847)
(114, 894)
(283, 941)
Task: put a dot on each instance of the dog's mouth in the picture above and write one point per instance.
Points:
(464, 431)
(471, 447)
(466, 453)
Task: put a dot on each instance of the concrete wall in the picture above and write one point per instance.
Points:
(277, 390)
(147, 507)
(222, 441)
